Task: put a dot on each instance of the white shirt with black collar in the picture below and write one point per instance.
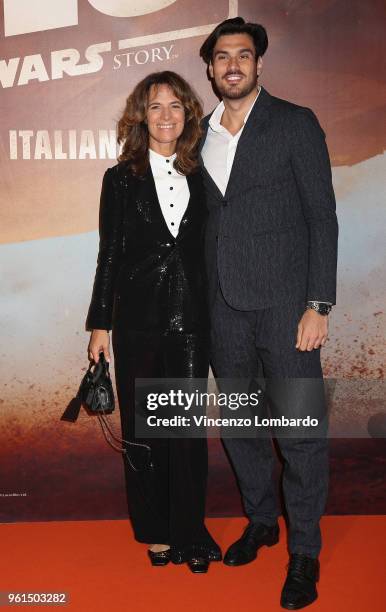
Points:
(172, 189)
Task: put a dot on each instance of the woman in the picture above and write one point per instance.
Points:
(149, 289)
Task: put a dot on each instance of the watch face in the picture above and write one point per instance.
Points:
(320, 307)
(324, 309)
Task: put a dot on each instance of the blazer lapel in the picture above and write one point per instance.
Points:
(193, 205)
(149, 206)
(209, 182)
(248, 138)
(159, 219)
(205, 127)
(250, 134)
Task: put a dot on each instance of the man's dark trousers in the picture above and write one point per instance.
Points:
(240, 341)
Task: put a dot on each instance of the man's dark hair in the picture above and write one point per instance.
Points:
(235, 26)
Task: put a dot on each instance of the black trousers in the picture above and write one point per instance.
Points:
(166, 505)
(240, 342)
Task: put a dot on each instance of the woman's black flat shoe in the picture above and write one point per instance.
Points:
(212, 552)
(159, 558)
(198, 565)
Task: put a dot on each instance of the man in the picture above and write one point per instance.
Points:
(271, 252)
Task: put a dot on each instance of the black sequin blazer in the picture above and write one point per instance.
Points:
(145, 278)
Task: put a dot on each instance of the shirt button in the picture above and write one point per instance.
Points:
(172, 223)
(167, 161)
(171, 205)
(171, 188)
(169, 172)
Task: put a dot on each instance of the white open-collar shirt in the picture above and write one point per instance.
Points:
(219, 149)
(172, 189)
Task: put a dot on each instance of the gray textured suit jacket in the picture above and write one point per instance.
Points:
(273, 236)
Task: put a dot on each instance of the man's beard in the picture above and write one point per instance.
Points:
(235, 93)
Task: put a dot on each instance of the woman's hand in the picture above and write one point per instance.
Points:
(99, 341)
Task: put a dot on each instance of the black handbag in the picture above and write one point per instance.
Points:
(97, 395)
(95, 392)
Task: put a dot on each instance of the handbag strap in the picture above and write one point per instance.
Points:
(108, 431)
(111, 437)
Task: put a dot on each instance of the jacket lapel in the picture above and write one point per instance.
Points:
(148, 205)
(158, 220)
(209, 182)
(192, 208)
(247, 142)
(249, 136)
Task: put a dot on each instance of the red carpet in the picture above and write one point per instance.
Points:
(103, 569)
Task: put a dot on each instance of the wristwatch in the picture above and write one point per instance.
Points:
(322, 308)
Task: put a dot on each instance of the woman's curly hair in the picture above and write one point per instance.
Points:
(133, 134)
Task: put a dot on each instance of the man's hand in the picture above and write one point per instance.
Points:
(312, 331)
